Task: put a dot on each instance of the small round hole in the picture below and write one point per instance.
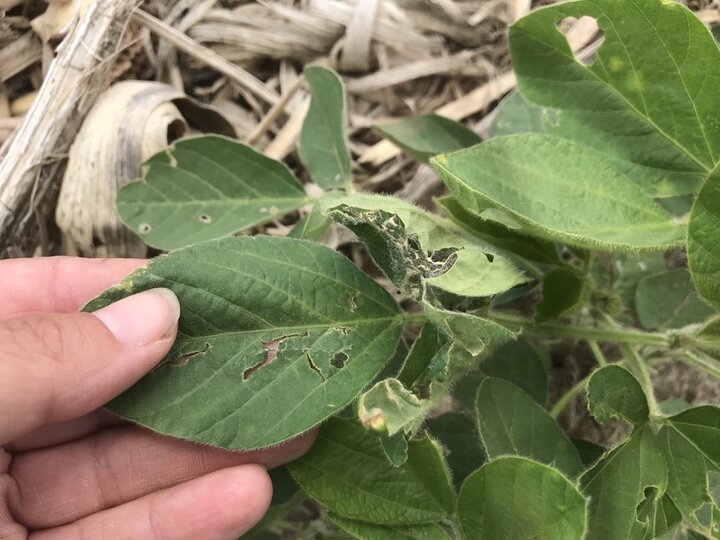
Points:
(204, 218)
(144, 228)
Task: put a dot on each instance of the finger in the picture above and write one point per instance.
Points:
(219, 506)
(64, 483)
(58, 367)
(57, 284)
(64, 432)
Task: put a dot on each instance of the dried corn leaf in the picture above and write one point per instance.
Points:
(129, 123)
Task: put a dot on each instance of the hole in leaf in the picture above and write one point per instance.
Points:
(338, 360)
(184, 359)
(312, 366)
(204, 218)
(490, 257)
(580, 33)
(144, 228)
(271, 349)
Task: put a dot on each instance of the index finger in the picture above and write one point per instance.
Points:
(57, 284)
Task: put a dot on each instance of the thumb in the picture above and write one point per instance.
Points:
(57, 367)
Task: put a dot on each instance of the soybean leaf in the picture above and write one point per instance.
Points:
(645, 101)
(510, 422)
(616, 485)
(422, 354)
(312, 226)
(562, 290)
(614, 393)
(668, 300)
(347, 472)
(390, 408)
(514, 497)
(395, 448)
(204, 188)
(498, 235)
(267, 346)
(550, 185)
(427, 135)
(458, 434)
(519, 363)
(371, 531)
(660, 513)
(323, 139)
(703, 247)
(477, 270)
(471, 338)
(589, 452)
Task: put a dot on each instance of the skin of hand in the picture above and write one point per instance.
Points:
(68, 469)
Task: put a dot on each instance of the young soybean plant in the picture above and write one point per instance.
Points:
(596, 173)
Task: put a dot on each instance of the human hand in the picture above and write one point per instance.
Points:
(69, 470)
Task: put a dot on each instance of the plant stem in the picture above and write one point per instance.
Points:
(702, 363)
(597, 352)
(637, 366)
(568, 396)
(615, 335)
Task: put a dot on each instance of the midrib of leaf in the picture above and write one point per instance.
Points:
(647, 119)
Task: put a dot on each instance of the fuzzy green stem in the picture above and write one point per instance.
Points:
(597, 352)
(638, 367)
(614, 335)
(568, 396)
(702, 363)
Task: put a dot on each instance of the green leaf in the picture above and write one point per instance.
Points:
(372, 531)
(646, 101)
(668, 300)
(458, 434)
(616, 486)
(427, 135)
(498, 235)
(424, 350)
(703, 246)
(347, 472)
(312, 226)
(589, 452)
(510, 422)
(515, 115)
(204, 188)
(395, 448)
(662, 515)
(398, 254)
(613, 392)
(257, 323)
(323, 140)
(519, 363)
(562, 290)
(389, 407)
(551, 186)
(477, 270)
(471, 338)
(515, 498)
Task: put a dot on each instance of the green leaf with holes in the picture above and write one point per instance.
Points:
(323, 139)
(614, 393)
(477, 270)
(275, 336)
(647, 100)
(637, 124)
(347, 472)
(204, 188)
(427, 135)
(510, 422)
(514, 497)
